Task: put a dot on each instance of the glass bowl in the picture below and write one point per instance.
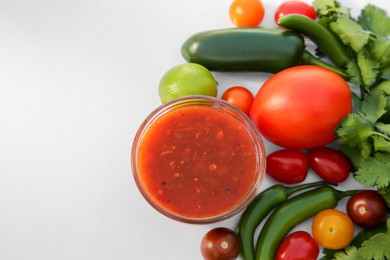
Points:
(198, 159)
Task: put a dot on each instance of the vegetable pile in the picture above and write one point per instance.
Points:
(340, 94)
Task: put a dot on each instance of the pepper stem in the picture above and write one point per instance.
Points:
(347, 193)
(293, 189)
(310, 59)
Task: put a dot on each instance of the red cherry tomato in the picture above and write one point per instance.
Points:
(300, 107)
(330, 164)
(245, 13)
(299, 245)
(220, 244)
(240, 97)
(367, 208)
(294, 7)
(287, 166)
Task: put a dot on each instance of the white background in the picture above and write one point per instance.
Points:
(77, 78)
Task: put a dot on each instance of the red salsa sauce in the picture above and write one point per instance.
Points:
(197, 162)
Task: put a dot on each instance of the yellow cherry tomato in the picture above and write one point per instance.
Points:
(332, 229)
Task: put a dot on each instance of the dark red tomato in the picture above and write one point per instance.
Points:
(287, 166)
(367, 208)
(294, 7)
(299, 245)
(220, 244)
(300, 107)
(330, 164)
(240, 97)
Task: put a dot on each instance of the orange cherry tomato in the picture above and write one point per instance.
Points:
(246, 13)
(332, 229)
(240, 97)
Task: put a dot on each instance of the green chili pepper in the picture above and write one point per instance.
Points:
(240, 49)
(293, 212)
(259, 208)
(327, 42)
(249, 49)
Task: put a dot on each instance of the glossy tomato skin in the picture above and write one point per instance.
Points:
(300, 107)
(287, 165)
(220, 244)
(240, 97)
(332, 229)
(330, 164)
(299, 245)
(294, 7)
(367, 208)
(246, 13)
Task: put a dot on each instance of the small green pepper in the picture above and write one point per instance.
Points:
(259, 208)
(327, 42)
(250, 49)
(293, 212)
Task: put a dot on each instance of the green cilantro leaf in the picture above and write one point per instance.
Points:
(369, 68)
(385, 192)
(385, 72)
(374, 106)
(377, 247)
(350, 33)
(353, 130)
(379, 48)
(324, 7)
(383, 128)
(381, 144)
(384, 86)
(375, 19)
(375, 171)
(349, 253)
(354, 73)
(354, 154)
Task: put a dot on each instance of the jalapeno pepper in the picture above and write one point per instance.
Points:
(250, 49)
(293, 212)
(259, 208)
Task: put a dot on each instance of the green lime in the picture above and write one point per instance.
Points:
(185, 80)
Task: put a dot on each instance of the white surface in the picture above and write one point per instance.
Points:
(77, 78)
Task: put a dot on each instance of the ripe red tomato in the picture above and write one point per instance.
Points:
(220, 244)
(245, 13)
(287, 166)
(294, 7)
(330, 164)
(299, 245)
(240, 97)
(301, 106)
(367, 208)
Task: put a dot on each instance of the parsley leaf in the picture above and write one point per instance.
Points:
(350, 33)
(375, 171)
(375, 19)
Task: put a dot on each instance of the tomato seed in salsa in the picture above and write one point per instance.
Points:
(197, 162)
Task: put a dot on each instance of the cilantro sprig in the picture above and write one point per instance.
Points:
(364, 135)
